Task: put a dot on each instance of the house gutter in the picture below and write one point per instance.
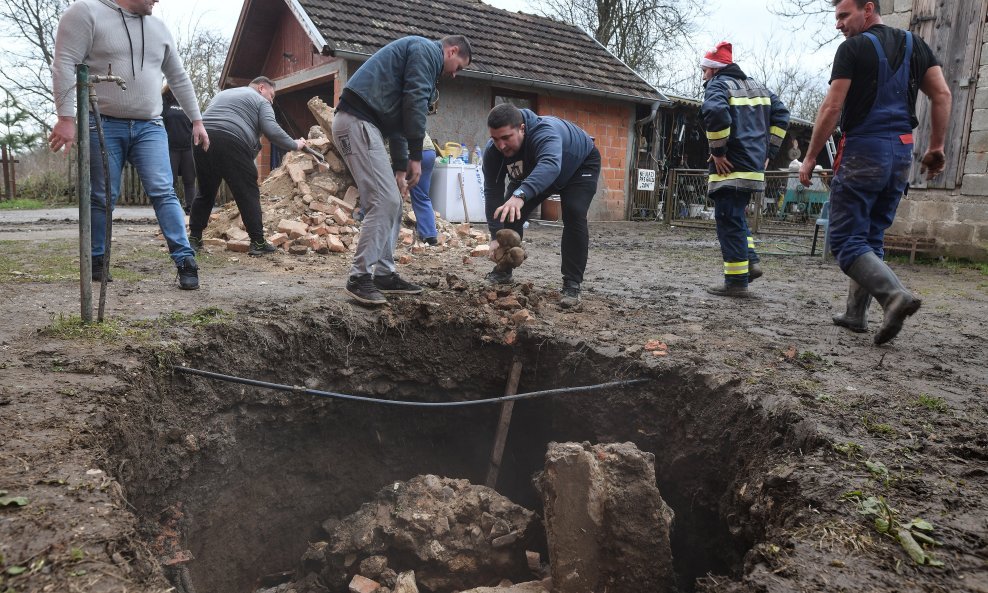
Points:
(524, 82)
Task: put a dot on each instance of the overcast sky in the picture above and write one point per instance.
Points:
(747, 24)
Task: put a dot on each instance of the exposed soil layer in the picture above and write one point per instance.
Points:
(761, 417)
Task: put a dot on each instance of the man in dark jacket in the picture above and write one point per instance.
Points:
(178, 126)
(388, 97)
(876, 77)
(541, 156)
(745, 124)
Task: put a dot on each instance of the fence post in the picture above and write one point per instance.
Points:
(6, 172)
(670, 195)
(85, 215)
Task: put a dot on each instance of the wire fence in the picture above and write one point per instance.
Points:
(786, 206)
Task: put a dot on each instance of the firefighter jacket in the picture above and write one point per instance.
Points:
(744, 121)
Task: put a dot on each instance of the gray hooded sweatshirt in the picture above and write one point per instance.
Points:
(140, 50)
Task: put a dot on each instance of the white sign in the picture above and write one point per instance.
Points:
(646, 180)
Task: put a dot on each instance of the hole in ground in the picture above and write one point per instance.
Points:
(254, 472)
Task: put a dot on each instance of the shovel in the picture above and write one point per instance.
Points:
(320, 161)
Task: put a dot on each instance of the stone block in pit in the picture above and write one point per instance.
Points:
(607, 526)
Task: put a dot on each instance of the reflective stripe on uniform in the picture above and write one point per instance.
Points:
(777, 131)
(751, 242)
(734, 268)
(750, 101)
(726, 132)
(752, 175)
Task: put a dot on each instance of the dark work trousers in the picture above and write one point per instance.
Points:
(575, 198)
(227, 159)
(872, 172)
(184, 166)
(733, 233)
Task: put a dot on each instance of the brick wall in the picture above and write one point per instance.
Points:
(608, 123)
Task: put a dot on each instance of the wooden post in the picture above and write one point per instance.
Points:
(503, 424)
(6, 172)
(85, 215)
(463, 196)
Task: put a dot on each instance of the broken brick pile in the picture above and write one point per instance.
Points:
(308, 206)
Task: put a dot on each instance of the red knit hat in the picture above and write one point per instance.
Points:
(719, 57)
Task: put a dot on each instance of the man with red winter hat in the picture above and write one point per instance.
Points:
(745, 125)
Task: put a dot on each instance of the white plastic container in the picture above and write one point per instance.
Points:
(446, 196)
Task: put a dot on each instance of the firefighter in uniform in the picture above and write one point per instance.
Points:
(877, 73)
(745, 125)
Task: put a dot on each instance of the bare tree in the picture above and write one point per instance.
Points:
(638, 32)
(779, 66)
(203, 52)
(813, 15)
(28, 29)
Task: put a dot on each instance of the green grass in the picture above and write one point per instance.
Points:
(72, 327)
(45, 261)
(947, 263)
(932, 403)
(22, 204)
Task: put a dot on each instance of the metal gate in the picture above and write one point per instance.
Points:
(786, 207)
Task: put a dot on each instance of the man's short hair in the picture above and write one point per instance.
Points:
(504, 114)
(461, 42)
(264, 80)
(861, 3)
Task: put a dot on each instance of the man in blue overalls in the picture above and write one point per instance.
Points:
(877, 73)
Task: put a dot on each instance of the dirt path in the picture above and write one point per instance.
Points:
(915, 410)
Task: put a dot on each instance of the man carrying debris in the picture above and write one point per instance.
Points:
(540, 156)
(389, 97)
(876, 77)
(235, 120)
(139, 49)
(745, 124)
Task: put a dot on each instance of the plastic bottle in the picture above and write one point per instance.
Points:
(478, 156)
(464, 154)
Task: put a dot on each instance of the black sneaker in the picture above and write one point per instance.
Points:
(196, 243)
(496, 276)
(569, 296)
(431, 241)
(98, 270)
(394, 283)
(188, 274)
(261, 248)
(361, 288)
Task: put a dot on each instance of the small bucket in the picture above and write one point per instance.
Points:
(551, 208)
(452, 150)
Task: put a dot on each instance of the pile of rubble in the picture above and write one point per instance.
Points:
(308, 205)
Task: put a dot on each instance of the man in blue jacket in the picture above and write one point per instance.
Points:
(541, 156)
(388, 97)
(745, 125)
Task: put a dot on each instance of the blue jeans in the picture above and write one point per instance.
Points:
(425, 216)
(872, 175)
(144, 144)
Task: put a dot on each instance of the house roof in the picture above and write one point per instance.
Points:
(508, 47)
(696, 103)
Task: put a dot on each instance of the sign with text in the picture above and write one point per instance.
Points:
(646, 180)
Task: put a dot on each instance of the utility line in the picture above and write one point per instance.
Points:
(344, 396)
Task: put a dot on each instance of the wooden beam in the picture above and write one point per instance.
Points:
(504, 423)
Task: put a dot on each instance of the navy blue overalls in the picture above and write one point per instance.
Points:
(872, 169)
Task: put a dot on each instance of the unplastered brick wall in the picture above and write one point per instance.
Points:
(609, 124)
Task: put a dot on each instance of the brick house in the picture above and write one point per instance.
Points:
(309, 47)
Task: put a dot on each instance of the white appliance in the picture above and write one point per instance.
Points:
(447, 199)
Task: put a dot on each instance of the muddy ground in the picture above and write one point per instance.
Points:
(808, 419)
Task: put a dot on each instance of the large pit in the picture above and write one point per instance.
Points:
(244, 477)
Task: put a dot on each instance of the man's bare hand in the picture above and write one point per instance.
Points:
(63, 134)
(721, 164)
(510, 211)
(414, 173)
(933, 163)
(300, 144)
(199, 135)
(806, 170)
(402, 184)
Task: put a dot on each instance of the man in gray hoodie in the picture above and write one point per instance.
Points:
(139, 49)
